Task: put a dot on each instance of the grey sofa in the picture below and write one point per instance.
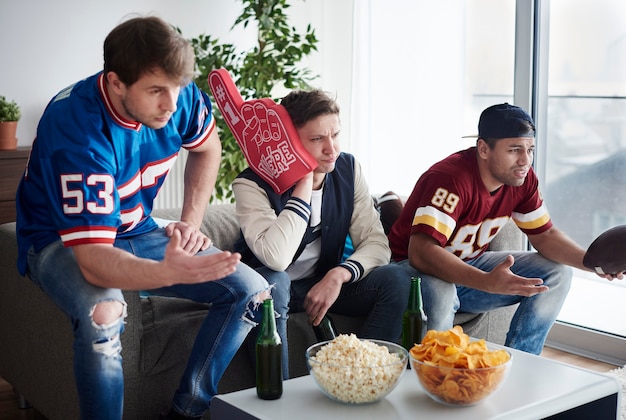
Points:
(36, 338)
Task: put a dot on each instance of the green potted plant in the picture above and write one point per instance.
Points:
(9, 116)
(272, 62)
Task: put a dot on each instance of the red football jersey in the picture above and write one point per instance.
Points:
(450, 203)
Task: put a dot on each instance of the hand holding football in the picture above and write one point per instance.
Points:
(607, 253)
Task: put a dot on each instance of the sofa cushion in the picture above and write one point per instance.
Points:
(168, 320)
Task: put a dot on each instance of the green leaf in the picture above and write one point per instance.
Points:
(9, 110)
(273, 61)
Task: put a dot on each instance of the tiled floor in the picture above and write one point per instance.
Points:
(9, 409)
(575, 360)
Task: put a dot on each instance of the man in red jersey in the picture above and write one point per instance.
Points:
(459, 205)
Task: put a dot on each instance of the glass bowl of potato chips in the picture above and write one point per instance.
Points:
(455, 370)
(356, 371)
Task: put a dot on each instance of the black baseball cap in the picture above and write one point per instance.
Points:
(504, 121)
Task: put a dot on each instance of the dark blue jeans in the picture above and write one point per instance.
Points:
(381, 297)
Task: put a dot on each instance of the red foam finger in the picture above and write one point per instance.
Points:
(264, 132)
(273, 125)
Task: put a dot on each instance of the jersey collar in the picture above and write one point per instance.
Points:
(132, 125)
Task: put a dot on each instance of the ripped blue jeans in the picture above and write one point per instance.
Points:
(97, 358)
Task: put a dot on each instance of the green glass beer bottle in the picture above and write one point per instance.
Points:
(269, 371)
(414, 318)
(325, 331)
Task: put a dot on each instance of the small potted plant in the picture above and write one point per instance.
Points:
(10, 114)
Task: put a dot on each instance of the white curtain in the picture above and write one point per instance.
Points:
(407, 89)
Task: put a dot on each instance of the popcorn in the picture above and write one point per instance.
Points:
(356, 371)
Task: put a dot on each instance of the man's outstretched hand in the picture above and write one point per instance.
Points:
(504, 281)
(186, 268)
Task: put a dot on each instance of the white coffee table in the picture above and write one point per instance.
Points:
(536, 388)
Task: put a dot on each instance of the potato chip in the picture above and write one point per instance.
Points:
(456, 370)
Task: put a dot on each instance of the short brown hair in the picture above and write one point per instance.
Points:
(304, 106)
(142, 44)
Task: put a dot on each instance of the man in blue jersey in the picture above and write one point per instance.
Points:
(104, 146)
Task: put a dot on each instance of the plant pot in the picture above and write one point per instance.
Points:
(8, 140)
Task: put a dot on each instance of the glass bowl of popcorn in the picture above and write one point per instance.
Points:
(455, 370)
(356, 371)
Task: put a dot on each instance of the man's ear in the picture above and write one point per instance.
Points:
(115, 83)
(482, 147)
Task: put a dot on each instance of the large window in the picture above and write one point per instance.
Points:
(585, 153)
(424, 70)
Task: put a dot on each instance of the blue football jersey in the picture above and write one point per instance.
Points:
(92, 175)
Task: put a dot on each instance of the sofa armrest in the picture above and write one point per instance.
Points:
(35, 339)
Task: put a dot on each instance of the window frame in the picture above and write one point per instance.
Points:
(532, 19)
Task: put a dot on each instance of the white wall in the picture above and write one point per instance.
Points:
(49, 45)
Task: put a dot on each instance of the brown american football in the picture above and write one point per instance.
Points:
(607, 253)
